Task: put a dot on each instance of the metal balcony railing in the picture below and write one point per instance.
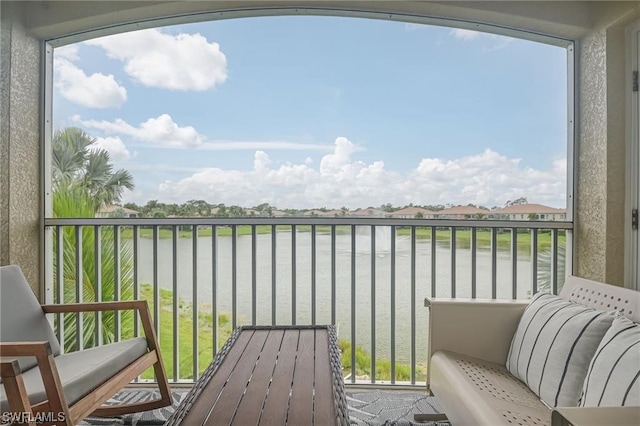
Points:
(368, 276)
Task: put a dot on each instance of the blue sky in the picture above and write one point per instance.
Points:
(305, 112)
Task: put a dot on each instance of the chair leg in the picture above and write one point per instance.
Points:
(14, 388)
(163, 382)
(158, 367)
(125, 377)
(426, 418)
(53, 387)
(120, 409)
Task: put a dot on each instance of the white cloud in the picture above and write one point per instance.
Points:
(164, 132)
(487, 178)
(161, 131)
(463, 34)
(411, 26)
(69, 52)
(260, 145)
(94, 91)
(176, 62)
(114, 146)
(467, 35)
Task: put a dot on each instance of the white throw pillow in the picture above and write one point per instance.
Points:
(613, 378)
(553, 346)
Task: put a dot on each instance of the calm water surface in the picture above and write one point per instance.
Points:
(303, 271)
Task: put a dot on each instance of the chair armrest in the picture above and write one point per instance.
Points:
(122, 305)
(12, 378)
(474, 327)
(140, 305)
(14, 349)
(595, 416)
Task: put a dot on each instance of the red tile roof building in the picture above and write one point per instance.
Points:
(529, 212)
(412, 213)
(462, 212)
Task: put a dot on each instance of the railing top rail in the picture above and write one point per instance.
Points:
(338, 221)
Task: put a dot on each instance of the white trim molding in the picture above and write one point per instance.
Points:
(632, 178)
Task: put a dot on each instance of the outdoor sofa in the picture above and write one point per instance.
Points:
(576, 355)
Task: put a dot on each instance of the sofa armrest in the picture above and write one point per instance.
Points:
(480, 328)
(595, 416)
(474, 327)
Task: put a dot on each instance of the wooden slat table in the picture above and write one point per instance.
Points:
(272, 375)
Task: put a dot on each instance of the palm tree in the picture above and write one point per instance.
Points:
(73, 202)
(76, 162)
(84, 180)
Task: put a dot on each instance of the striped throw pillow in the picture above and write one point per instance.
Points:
(553, 346)
(613, 378)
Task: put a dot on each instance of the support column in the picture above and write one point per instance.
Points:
(600, 181)
(20, 187)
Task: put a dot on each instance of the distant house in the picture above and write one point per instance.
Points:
(528, 212)
(116, 211)
(278, 213)
(412, 213)
(334, 213)
(462, 212)
(314, 213)
(366, 213)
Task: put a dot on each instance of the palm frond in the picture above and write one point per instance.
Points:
(545, 270)
(97, 284)
(77, 162)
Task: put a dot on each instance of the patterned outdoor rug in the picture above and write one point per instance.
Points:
(365, 408)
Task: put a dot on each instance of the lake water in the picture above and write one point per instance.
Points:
(323, 281)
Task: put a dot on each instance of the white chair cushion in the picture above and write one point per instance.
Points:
(613, 375)
(553, 345)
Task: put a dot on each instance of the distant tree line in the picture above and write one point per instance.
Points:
(199, 208)
(202, 208)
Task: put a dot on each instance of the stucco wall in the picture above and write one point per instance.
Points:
(600, 182)
(5, 69)
(591, 183)
(20, 149)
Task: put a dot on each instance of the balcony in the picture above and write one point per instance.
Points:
(368, 276)
(601, 172)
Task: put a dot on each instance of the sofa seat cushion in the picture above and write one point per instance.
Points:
(80, 372)
(476, 392)
(613, 378)
(553, 346)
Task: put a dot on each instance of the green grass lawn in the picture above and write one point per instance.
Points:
(223, 231)
(443, 236)
(185, 335)
(205, 342)
(483, 238)
(383, 366)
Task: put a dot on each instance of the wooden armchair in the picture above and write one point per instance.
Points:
(65, 388)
